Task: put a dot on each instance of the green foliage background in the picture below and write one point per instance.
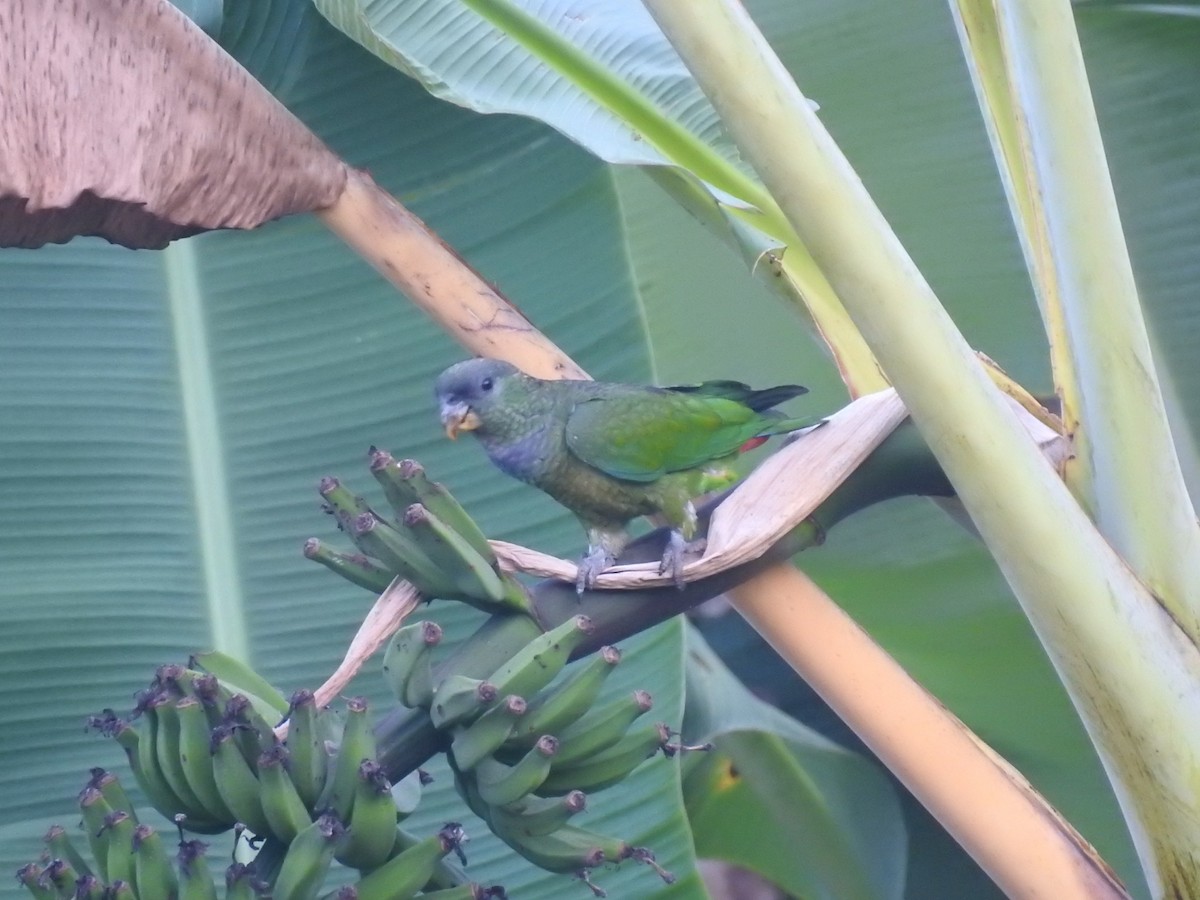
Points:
(109, 449)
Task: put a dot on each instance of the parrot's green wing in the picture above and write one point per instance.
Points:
(644, 434)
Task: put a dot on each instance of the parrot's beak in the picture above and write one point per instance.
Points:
(458, 417)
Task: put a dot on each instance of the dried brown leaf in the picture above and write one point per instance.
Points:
(124, 120)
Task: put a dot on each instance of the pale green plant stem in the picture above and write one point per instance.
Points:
(217, 546)
(1029, 74)
(808, 287)
(1132, 673)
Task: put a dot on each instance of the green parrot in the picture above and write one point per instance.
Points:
(612, 452)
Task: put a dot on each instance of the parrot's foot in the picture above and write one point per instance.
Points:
(673, 556)
(593, 563)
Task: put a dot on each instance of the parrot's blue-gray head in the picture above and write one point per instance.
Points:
(468, 391)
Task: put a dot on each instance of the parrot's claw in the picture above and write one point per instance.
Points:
(596, 561)
(673, 556)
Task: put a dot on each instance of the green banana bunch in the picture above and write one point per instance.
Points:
(432, 542)
(405, 483)
(523, 764)
(129, 860)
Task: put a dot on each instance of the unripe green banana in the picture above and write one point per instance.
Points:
(195, 877)
(195, 757)
(499, 784)
(285, 811)
(239, 678)
(400, 554)
(601, 729)
(59, 846)
(406, 873)
(566, 849)
(154, 874)
(538, 815)
(30, 875)
(445, 873)
(407, 663)
(485, 735)
(241, 883)
(458, 698)
(253, 734)
(95, 809)
(358, 743)
(114, 793)
(148, 766)
(213, 696)
(150, 779)
(236, 781)
(537, 663)
(310, 761)
(308, 859)
(610, 766)
(168, 751)
(59, 875)
(372, 828)
(120, 865)
(405, 483)
(472, 575)
(89, 887)
(340, 502)
(120, 890)
(559, 705)
(354, 567)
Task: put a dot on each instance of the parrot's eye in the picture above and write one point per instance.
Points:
(486, 384)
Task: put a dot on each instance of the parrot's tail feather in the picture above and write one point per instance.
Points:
(743, 393)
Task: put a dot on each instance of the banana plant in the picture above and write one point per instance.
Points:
(1118, 608)
(724, 193)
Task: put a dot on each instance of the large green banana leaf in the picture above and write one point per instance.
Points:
(167, 416)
